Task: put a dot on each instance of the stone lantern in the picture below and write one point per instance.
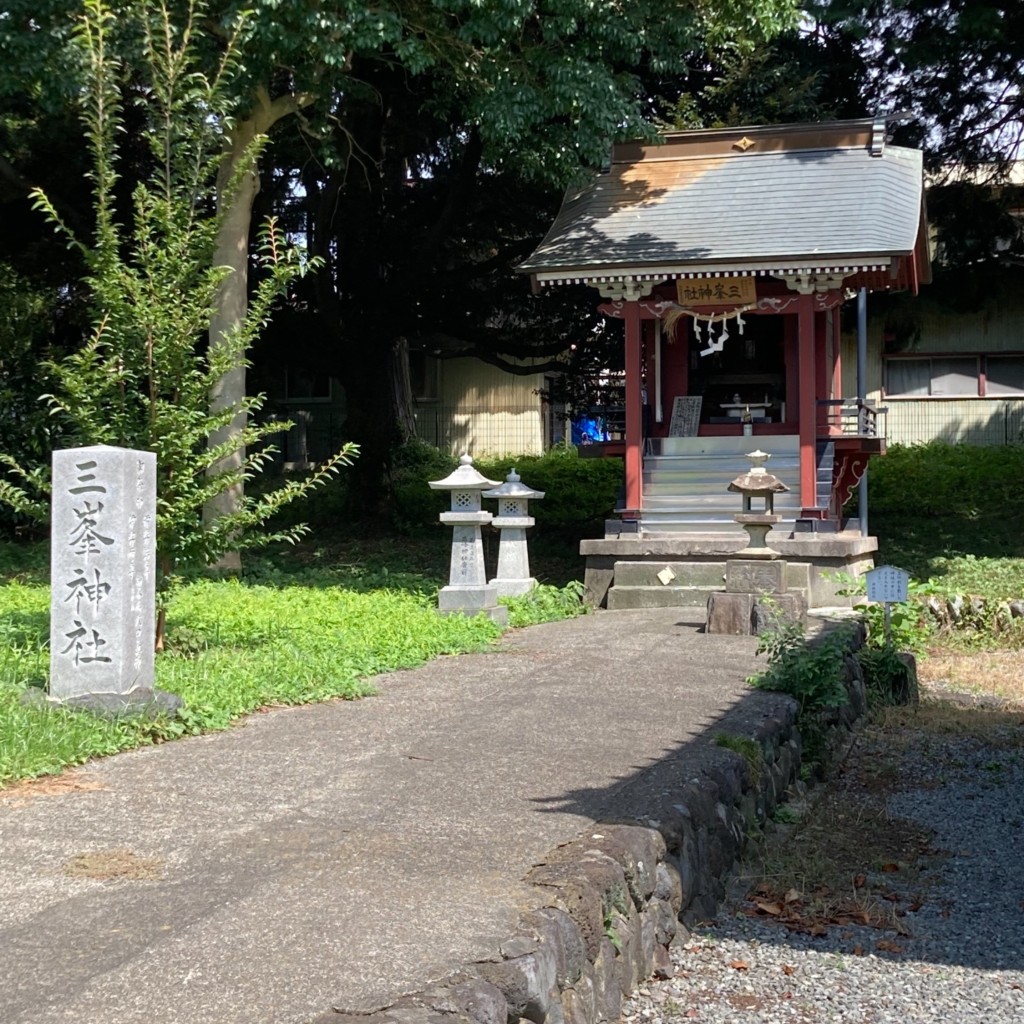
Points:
(513, 521)
(758, 483)
(755, 596)
(468, 590)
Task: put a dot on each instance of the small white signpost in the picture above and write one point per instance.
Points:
(887, 585)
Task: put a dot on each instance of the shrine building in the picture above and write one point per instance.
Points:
(728, 254)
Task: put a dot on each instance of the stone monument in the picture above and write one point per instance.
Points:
(468, 591)
(103, 581)
(755, 577)
(513, 520)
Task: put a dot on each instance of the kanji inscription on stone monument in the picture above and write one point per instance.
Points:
(102, 566)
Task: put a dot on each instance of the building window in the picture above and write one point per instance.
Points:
(1004, 375)
(958, 376)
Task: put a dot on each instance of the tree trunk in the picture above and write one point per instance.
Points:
(231, 305)
(401, 390)
(232, 250)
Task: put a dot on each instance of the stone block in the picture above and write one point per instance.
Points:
(685, 574)
(103, 575)
(735, 614)
(482, 1002)
(693, 598)
(755, 576)
(729, 613)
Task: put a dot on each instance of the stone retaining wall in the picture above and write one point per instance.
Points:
(609, 902)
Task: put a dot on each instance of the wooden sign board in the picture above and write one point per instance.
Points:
(716, 291)
(887, 583)
(685, 416)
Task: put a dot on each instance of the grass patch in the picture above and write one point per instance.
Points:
(233, 647)
(546, 603)
(998, 674)
(748, 749)
(310, 625)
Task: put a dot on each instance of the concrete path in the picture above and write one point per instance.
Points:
(340, 855)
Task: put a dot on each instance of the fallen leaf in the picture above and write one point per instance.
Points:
(860, 881)
(818, 930)
(769, 908)
(693, 1013)
(740, 965)
(858, 950)
(916, 905)
(888, 947)
(792, 896)
(890, 868)
(787, 970)
(892, 897)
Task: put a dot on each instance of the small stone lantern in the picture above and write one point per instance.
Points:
(757, 482)
(755, 597)
(513, 521)
(468, 590)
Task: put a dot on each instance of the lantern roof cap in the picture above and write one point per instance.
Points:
(757, 480)
(513, 487)
(465, 478)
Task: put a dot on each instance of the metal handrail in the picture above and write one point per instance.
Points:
(851, 417)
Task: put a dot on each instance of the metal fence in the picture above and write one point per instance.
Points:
(971, 421)
(488, 429)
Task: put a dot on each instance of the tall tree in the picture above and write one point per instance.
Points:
(536, 87)
(955, 66)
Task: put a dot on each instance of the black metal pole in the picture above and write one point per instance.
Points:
(862, 391)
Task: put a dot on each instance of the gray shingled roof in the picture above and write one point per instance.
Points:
(799, 206)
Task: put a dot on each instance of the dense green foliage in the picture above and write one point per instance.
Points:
(809, 670)
(140, 381)
(952, 515)
(578, 493)
(957, 66)
(940, 479)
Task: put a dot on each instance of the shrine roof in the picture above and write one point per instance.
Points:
(782, 199)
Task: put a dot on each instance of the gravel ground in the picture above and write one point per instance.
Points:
(956, 952)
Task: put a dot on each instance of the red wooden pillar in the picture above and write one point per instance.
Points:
(808, 411)
(837, 355)
(824, 367)
(634, 410)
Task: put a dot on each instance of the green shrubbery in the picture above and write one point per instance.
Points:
(578, 493)
(940, 479)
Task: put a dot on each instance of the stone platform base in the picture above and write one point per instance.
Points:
(472, 600)
(752, 614)
(137, 703)
(623, 571)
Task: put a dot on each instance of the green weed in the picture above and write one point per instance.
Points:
(748, 749)
(546, 603)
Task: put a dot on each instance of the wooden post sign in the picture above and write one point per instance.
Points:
(887, 585)
(685, 416)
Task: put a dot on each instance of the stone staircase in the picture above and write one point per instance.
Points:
(687, 526)
(686, 480)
